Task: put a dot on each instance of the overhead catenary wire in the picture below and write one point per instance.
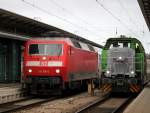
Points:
(49, 13)
(71, 13)
(127, 13)
(67, 11)
(115, 17)
(84, 21)
(74, 15)
(60, 18)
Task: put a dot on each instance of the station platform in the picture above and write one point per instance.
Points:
(142, 103)
(11, 92)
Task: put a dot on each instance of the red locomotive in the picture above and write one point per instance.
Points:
(52, 64)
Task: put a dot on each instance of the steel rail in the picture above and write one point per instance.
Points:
(123, 105)
(22, 104)
(104, 99)
(100, 100)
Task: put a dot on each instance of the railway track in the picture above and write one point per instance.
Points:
(22, 104)
(108, 104)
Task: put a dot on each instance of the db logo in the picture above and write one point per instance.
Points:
(43, 63)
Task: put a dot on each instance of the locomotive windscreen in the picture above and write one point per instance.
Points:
(45, 49)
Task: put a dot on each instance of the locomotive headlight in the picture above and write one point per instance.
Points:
(30, 70)
(57, 70)
(132, 72)
(44, 58)
(107, 72)
(120, 58)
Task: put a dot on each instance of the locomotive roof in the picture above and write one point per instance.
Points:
(71, 41)
(125, 39)
(66, 39)
(49, 38)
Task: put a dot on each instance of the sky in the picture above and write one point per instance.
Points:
(95, 20)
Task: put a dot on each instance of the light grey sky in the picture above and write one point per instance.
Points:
(93, 20)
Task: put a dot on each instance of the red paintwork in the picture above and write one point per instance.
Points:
(75, 61)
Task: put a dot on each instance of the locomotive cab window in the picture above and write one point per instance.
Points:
(120, 45)
(45, 49)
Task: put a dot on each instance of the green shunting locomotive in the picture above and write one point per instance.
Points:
(123, 64)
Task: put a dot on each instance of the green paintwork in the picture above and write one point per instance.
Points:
(139, 59)
(104, 60)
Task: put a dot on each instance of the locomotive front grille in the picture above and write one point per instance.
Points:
(121, 61)
(120, 68)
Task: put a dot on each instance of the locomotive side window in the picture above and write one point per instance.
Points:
(137, 48)
(45, 49)
(91, 47)
(76, 43)
(84, 46)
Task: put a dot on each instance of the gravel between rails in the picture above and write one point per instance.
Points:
(107, 105)
(64, 105)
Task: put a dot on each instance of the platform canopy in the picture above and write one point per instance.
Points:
(145, 8)
(17, 25)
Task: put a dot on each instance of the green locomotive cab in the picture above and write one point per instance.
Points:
(123, 65)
